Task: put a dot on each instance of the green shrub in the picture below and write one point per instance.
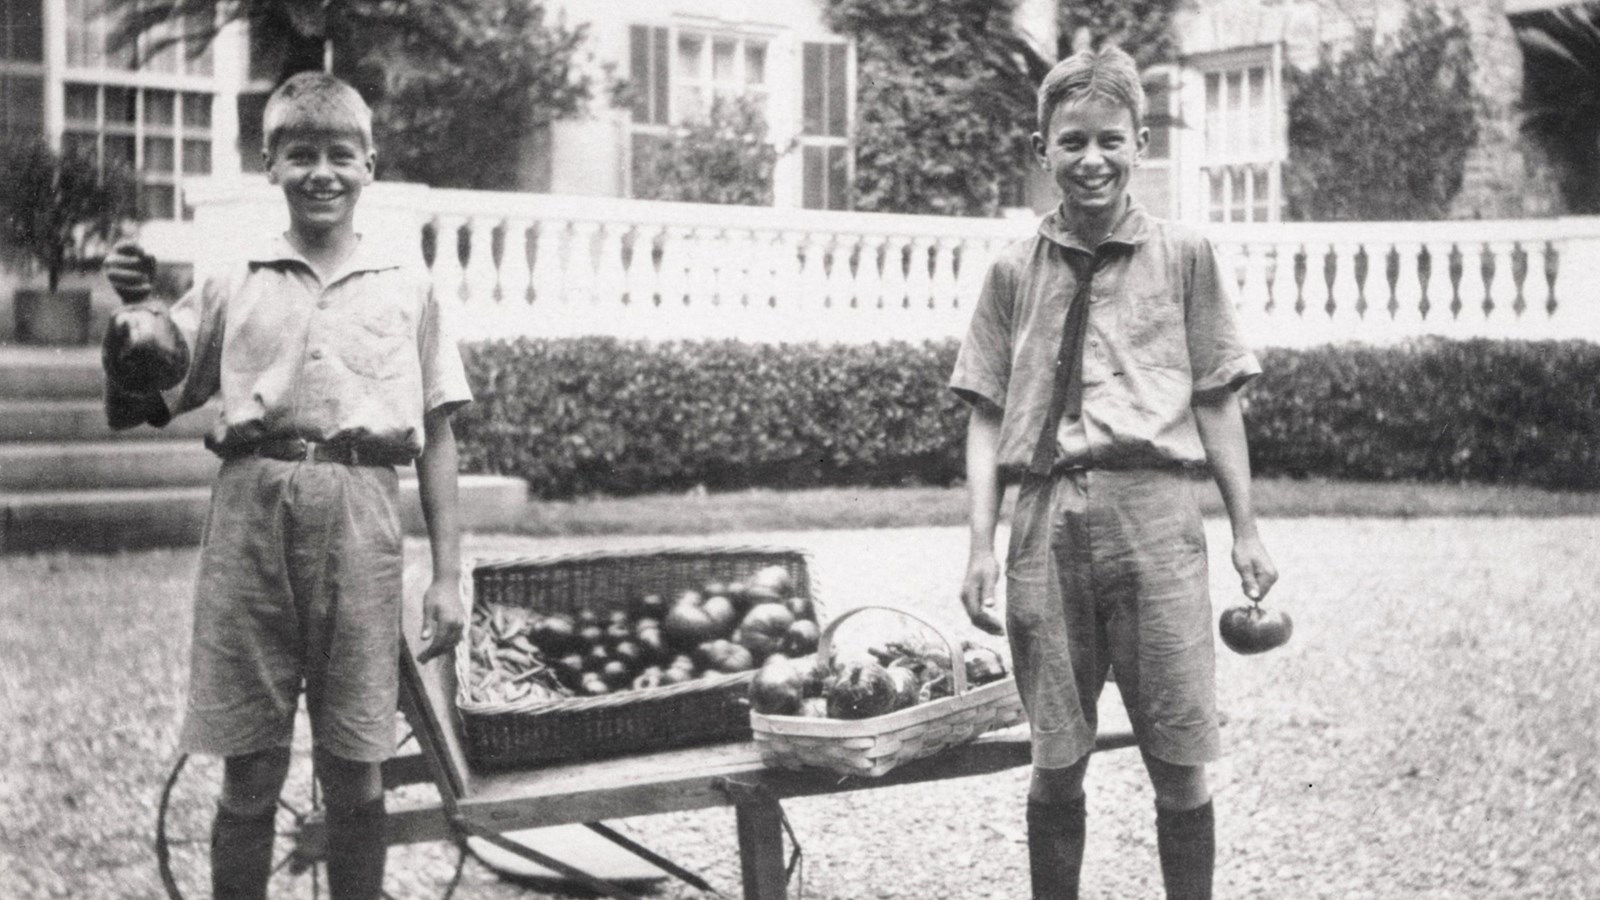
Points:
(598, 415)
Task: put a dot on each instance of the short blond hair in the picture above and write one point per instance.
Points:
(1108, 73)
(312, 102)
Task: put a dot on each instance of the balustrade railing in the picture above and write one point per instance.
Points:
(529, 264)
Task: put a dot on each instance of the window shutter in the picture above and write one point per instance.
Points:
(647, 70)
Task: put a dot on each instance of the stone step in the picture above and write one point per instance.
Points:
(35, 420)
(110, 520)
(112, 464)
(50, 373)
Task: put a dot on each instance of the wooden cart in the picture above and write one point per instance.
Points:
(488, 805)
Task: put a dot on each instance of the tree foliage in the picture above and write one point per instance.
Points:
(459, 118)
(724, 157)
(52, 203)
(1561, 96)
(455, 86)
(1141, 27)
(1382, 131)
(945, 100)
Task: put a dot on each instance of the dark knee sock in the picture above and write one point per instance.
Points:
(241, 854)
(356, 851)
(1187, 842)
(1055, 848)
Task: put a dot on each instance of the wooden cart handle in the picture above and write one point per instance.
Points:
(958, 665)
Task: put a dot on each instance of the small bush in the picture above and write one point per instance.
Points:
(598, 415)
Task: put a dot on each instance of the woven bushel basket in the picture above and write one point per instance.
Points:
(709, 709)
(871, 747)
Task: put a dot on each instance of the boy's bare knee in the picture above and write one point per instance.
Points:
(1058, 785)
(348, 783)
(252, 782)
(1177, 787)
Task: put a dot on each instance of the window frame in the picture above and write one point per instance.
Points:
(830, 142)
(1229, 175)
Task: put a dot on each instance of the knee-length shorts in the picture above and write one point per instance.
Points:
(299, 588)
(1106, 570)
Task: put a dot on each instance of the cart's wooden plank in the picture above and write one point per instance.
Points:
(694, 779)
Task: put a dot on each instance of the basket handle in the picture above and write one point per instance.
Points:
(958, 668)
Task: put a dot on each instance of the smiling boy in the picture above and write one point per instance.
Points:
(333, 366)
(1103, 365)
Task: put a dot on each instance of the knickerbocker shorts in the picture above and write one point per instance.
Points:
(1107, 569)
(299, 586)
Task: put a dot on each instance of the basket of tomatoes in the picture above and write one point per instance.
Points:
(865, 713)
(582, 656)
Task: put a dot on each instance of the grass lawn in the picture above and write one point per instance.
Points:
(1428, 733)
(698, 512)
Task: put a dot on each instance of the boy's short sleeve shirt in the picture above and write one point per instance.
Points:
(359, 359)
(1162, 328)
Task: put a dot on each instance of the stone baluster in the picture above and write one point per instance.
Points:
(548, 274)
(1498, 270)
(701, 269)
(480, 275)
(893, 282)
(869, 272)
(640, 279)
(761, 287)
(515, 273)
(814, 286)
(1252, 296)
(841, 275)
(1535, 291)
(447, 269)
(947, 290)
(611, 275)
(919, 275)
(673, 283)
(1406, 316)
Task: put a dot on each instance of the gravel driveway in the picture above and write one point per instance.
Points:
(1430, 732)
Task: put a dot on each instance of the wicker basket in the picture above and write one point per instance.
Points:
(871, 747)
(709, 709)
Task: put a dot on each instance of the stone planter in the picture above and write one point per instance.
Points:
(45, 318)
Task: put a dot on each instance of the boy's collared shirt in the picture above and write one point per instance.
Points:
(1161, 329)
(358, 359)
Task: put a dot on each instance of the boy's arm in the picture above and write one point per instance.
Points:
(442, 619)
(1221, 424)
(983, 491)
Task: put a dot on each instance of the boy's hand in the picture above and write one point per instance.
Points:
(1257, 574)
(977, 593)
(131, 271)
(442, 622)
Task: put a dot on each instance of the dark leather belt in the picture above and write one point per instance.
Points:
(296, 449)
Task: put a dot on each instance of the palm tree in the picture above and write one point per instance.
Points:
(342, 36)
(1561, 96)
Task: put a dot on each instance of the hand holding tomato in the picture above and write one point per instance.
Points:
(1257, 574)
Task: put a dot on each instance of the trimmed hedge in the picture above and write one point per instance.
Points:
(599, 415)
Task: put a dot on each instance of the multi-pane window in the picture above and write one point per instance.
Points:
(1152, 181)
(21, 70)
(676, 76)
(825, 126)
(163, 135)
(1241, 153)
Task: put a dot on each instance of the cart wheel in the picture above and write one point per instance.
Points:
(183, 838)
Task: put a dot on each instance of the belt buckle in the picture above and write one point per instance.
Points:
(354, 458)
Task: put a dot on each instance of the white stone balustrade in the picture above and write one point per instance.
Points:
(516, 264)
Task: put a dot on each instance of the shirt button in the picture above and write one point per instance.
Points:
(316, 354)
(324, 304)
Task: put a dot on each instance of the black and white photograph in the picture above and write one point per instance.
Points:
(800, 449)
